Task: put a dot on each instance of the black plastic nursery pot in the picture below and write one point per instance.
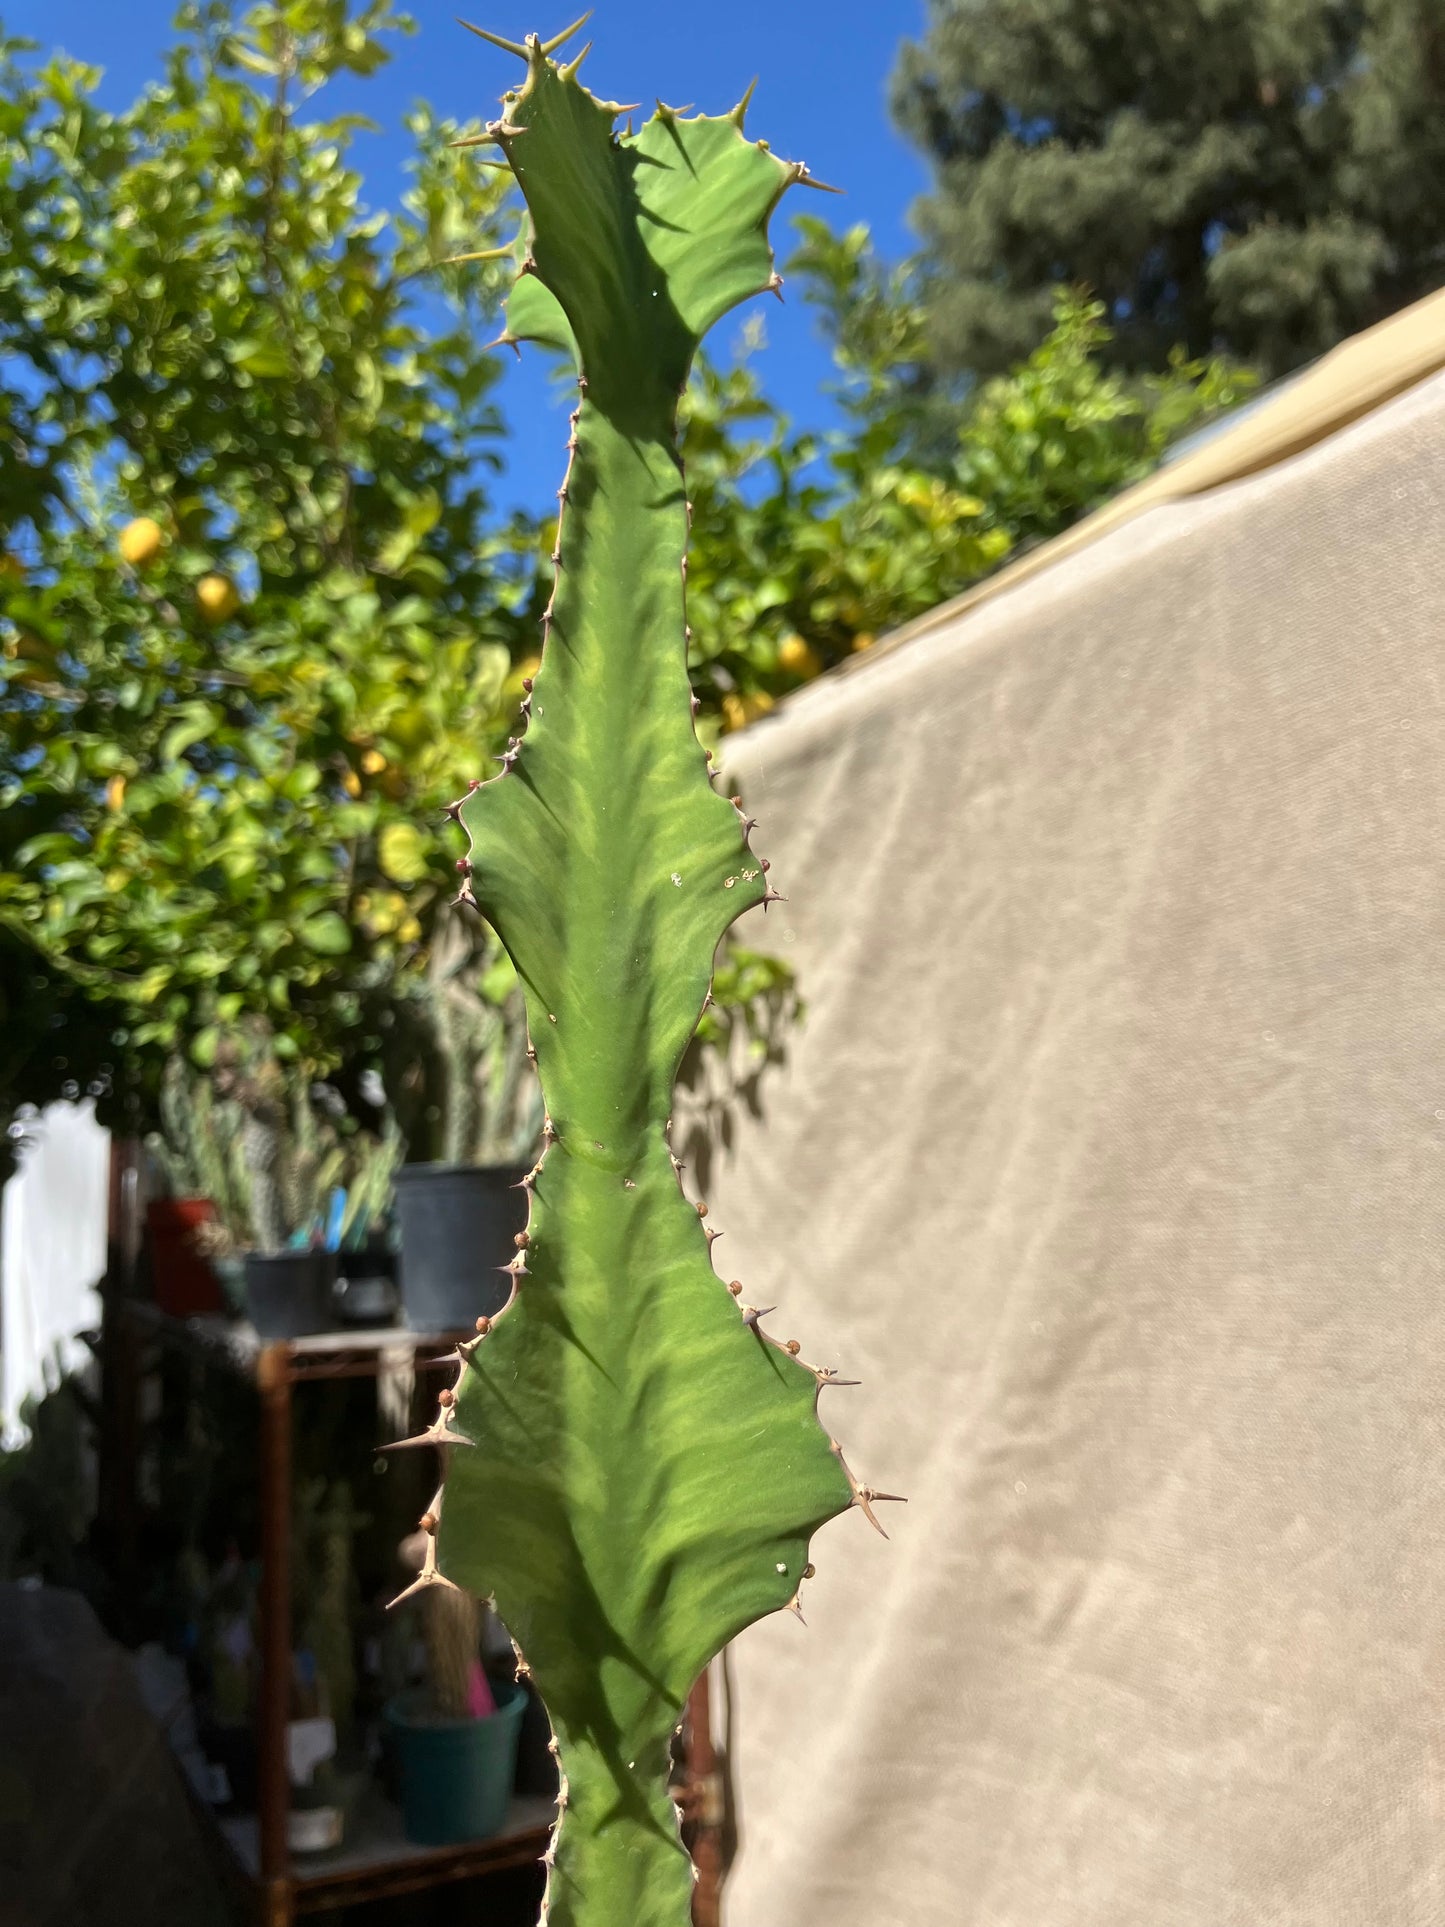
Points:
(288, 1293)
(366, 1286)
(459, 1224)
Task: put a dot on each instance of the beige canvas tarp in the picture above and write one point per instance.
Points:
(1111, 1158)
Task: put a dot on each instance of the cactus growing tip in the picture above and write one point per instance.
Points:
(524, 49)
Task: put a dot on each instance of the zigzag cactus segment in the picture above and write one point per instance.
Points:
(643, 1466)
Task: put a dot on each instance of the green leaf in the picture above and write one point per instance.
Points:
(264, 360)
(402, 852)
(327, 933)
(191, 728)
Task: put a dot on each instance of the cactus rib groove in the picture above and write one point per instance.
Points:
(643, 1465)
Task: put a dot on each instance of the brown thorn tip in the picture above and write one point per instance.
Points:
(428, 1522)
(495, 40)
(810, 1572)
(420, 1584)
(865, 1498)
(446, 1398)
(484, 1325)
(793, 1347)
(701, 1209)
(439, 1432)
(735, 1288)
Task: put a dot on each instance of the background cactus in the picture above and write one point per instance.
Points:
(633, 1467)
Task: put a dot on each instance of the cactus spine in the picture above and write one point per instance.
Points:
(632, 1467)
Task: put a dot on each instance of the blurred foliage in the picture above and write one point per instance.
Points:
(214, 366)
(269, 1148)
(808, 547)
(457, 1070)
(1260, 177)
(260, 618)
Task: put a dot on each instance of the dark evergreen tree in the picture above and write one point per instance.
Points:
(1260, 177)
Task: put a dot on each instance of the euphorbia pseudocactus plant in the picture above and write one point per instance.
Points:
(633, 1467)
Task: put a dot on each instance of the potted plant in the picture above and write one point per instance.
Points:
(460, 1079)
(195, 1156)
(455, 1737)
(290, 1161)
(366, 1263)
(302, 1188)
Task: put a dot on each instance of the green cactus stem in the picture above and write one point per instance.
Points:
(633, 1466)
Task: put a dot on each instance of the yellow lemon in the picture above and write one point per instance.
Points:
(757, 704)
(217, 597)
(373, 762)
(140, 541)
(351, 783)
(799, 658)
(408, 931)
(115, 792)
(863, 641)
(733, 714)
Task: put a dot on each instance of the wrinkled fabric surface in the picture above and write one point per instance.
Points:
(1111, 1158)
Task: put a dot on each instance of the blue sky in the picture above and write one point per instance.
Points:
(822, 98)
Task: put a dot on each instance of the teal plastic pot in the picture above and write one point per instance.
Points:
(455, 1776)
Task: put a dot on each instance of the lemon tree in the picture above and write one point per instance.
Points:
(256, 612)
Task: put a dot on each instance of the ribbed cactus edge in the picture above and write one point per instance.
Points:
(633, 1467)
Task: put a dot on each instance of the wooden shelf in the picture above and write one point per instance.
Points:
(344, 1353)
(377, 1860)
